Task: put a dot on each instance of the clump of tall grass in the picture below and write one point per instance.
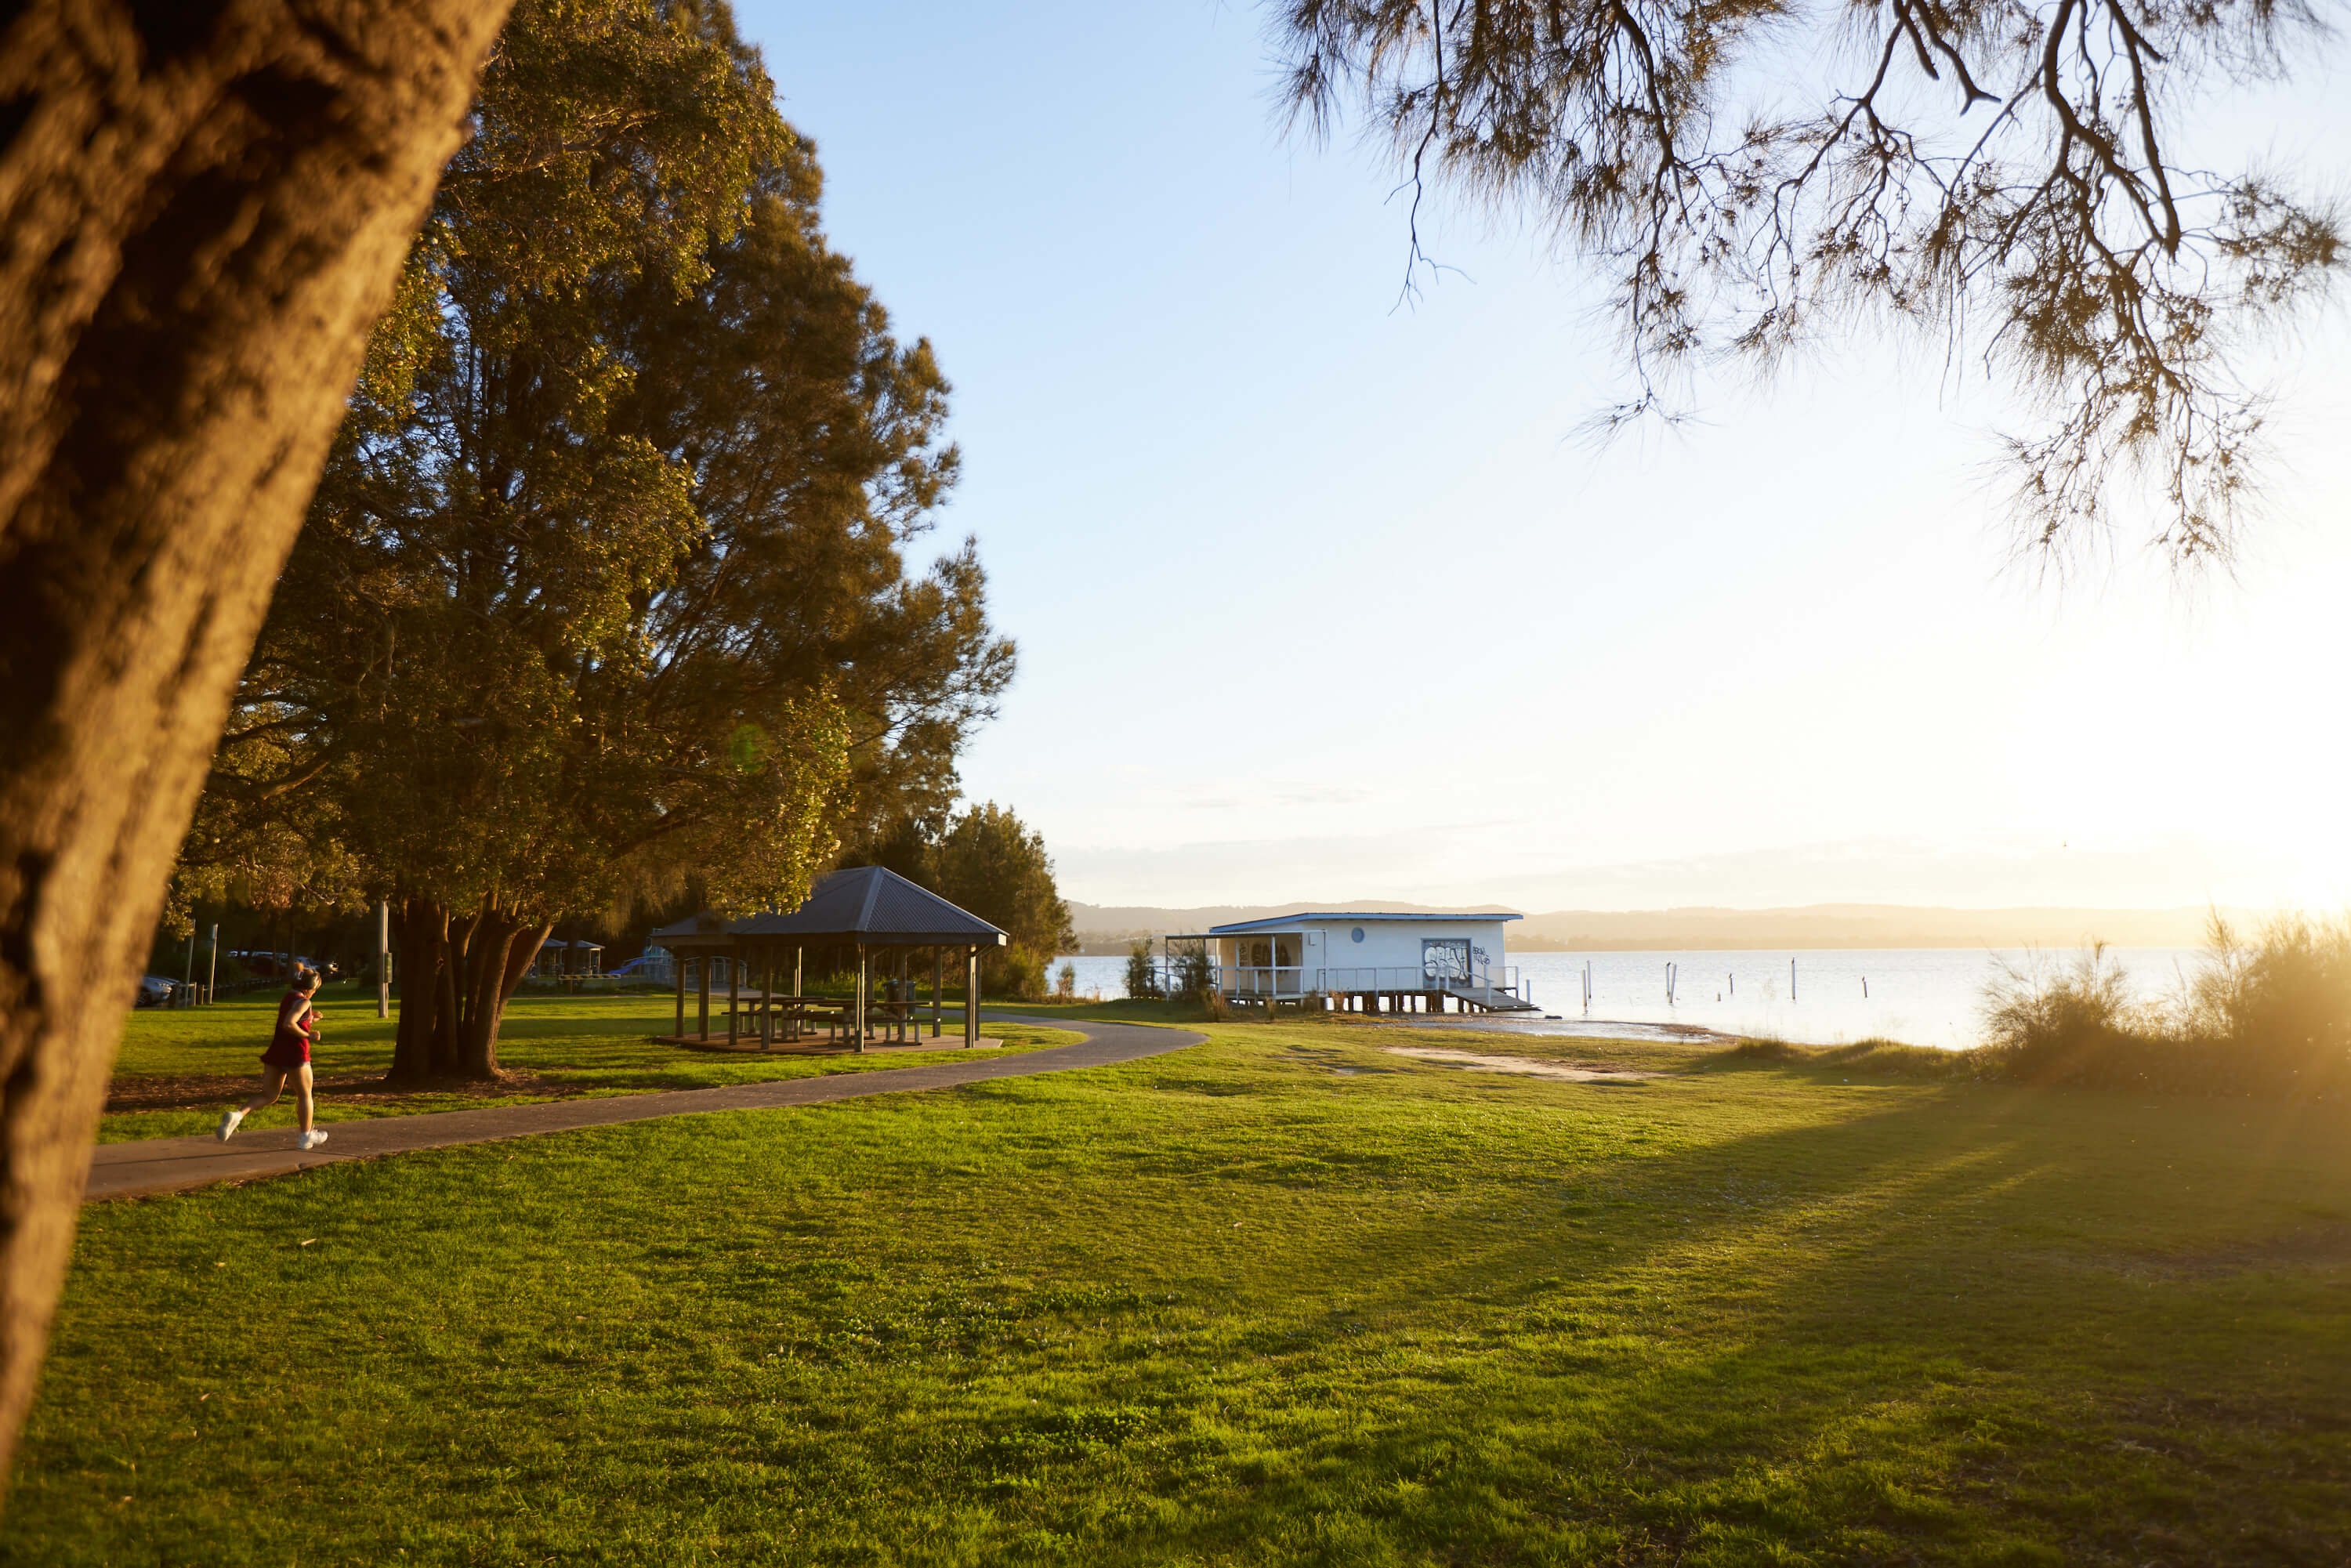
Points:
(1875, 1056)
(2268, 1014)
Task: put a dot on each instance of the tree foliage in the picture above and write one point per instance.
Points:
(2005, 174)
(985, 860)
(1142, 971)
(602, 589)
(779, 386)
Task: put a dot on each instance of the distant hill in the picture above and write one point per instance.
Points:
(1859, 925)
(1109, 929)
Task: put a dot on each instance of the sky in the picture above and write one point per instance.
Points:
(1320, 594)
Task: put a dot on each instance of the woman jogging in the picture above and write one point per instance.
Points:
(288, 1056)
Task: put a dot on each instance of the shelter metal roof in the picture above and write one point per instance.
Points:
(865, 904)
(1326, 916)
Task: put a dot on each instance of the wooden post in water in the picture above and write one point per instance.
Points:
(1791, 979)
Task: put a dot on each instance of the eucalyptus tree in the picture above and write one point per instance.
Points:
(604, 588)
(457, 636)
(812, 437)
(2007, 176)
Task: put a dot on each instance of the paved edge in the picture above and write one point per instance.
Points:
(146, 1167)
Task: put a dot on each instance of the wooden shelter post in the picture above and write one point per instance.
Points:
(766, 996)
(971, 998)
(857, 1038)
(677, 974)
(734, 997)
(938, 987)
(702, 990)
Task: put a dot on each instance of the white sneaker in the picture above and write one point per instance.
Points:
(229, 1119)
(311, 1139)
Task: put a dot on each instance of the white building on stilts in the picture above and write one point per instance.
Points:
(1363, 960)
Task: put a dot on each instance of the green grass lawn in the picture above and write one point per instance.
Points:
(1284, 1297)
(199, 1061)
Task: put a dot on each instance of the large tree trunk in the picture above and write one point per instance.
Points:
(460, 975)
(422, 931)
(204, 206)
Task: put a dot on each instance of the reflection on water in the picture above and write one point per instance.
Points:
(1923, 995)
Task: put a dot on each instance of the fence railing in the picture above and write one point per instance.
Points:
(1262, 980)
(1488, 987)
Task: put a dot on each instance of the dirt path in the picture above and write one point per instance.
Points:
(152, 1166)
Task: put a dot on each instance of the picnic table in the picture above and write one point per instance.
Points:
(793, 1017)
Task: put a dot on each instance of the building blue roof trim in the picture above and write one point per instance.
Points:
(1278, 922)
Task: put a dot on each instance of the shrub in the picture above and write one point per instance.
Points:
(1012, 971)
(2280, 1005)
(2268, 1016)
(1195, 975)
(1065, 984)
(2073, 1024)
(1141, 973)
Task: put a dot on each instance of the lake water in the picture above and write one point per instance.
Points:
(1923, 995)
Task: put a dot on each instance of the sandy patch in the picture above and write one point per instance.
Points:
(1553, 1026)
(1477, 1061)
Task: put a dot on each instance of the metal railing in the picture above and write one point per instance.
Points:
(1488, 987)
(1262, 980)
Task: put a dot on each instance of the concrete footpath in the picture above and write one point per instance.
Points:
(152, 1165)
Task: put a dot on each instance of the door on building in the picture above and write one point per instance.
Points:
(1445, 958)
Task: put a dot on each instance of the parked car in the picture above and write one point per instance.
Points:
(154, 990)
(268, 965)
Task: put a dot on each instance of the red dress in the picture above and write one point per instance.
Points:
(291, 1047)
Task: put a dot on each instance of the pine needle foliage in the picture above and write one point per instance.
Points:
(2011, 179)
